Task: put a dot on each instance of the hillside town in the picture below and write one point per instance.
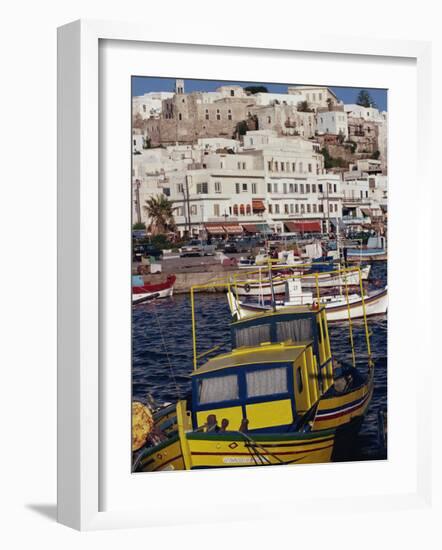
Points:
(259, 276)
(239, 162)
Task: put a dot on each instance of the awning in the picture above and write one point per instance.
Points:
(258, 205)
(233, 229)
(384, 208)
(366, 212)
(250, 228)
(313, 226)
(215, 229)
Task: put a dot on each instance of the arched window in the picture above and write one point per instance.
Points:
(249, 210)
(242, 210)
(235, 209)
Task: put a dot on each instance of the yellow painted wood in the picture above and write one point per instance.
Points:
(268, 414)
(302, 398)
(223, 454)
(233, 414)
(268, 353)
(184, 424)
(169, 457)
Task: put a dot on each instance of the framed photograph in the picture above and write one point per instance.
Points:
(231, 236)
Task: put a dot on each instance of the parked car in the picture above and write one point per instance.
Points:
(242, 244)
(231, 247)
(145, 250)
(197, 247)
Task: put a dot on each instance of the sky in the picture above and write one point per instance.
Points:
(143, 84)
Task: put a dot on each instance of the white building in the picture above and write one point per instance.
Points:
(216, 143)
(317, 96)
(138, 141)
(364, 196)
(367, 113)
(275, 183)
(149, 105)
(332, 122)
(263, 98)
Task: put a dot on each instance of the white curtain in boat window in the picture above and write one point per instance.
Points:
(266, 382)
(220, 388)
(252, 336)
(297, 330)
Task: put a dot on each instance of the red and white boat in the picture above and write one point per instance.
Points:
(151, 291)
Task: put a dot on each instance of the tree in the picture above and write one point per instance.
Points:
(332, 162)
(160, 212)
(240, 129)
(376, 155)
(139, 226)
(256, 89)
(304, 107)
(364, 99)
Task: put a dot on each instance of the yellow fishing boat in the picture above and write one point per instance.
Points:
(278, 397)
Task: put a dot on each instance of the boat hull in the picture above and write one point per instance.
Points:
(330, 280)
(227, 450)
(234, 449)
(164, 457)
(375, 304)
(143, 297)
(324, 280)
(260, 289)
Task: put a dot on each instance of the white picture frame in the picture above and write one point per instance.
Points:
(80, 269)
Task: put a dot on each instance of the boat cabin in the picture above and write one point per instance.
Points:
(279, 366)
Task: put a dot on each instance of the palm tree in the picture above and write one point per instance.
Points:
(160, 212)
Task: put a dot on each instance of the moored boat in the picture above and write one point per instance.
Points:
(143, 293)
(331, 276)
(278, 397)
(338, 306)
(334, 277)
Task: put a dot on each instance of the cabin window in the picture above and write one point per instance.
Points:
(217, 389)
(252, 336)
(266, 382)
(297, 330)
(299, 380)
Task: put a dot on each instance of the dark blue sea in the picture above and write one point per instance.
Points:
(162, 352)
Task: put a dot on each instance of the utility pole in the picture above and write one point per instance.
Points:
(137, 200)
(188, 205)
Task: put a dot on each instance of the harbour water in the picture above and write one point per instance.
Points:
(162, 352)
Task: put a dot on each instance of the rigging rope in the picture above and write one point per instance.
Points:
(165, 349)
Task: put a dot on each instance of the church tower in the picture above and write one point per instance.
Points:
(179, 86)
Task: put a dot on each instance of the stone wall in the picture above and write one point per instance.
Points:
(186, 280)
(186, 118)
(364, 134)
(285, 120)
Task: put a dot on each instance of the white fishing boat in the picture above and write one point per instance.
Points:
(330, 279)
(338, 307)
(259, 284)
